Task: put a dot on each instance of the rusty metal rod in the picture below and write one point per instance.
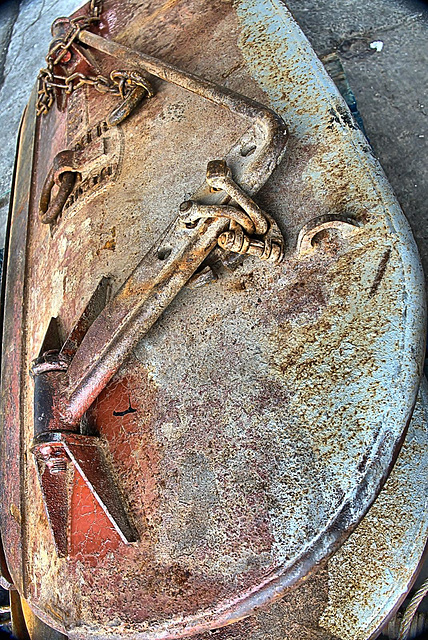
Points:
(159, 277)
(222, 96)
(274, 129)
(132, 312)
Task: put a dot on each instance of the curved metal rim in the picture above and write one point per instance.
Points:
(340, 527)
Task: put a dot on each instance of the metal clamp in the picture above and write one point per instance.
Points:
(244, 225)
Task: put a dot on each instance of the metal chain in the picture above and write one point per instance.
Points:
(95, 8)
(59, 50)
(119, 83)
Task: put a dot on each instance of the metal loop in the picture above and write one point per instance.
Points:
(131, 79)
(50, 210)
(96, 7)
(218, 177)
(191, 212)
(102, 85)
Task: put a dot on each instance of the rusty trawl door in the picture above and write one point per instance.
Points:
(226, 340)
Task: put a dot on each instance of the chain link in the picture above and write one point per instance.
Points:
(119, 83)
(59, 50)
(95, 8)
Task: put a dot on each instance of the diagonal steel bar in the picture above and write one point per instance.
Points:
(167, 267)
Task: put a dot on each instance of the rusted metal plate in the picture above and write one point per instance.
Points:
(253, 426)
(13, 373)
(351, 596)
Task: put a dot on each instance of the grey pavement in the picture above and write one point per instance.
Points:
(384, 48)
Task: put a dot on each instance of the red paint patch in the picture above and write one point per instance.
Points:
(92, 534)
(124, 413)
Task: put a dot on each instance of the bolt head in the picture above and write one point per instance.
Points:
(185, 206)
(217, 171)
(51, 452)
(66, 57)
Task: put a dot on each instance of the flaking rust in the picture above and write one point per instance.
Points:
(246, 425)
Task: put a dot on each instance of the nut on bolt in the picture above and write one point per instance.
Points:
(54, 456)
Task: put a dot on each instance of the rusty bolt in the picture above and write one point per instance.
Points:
(217, 171)
(66, 57)
(54, 456)
(186, 205)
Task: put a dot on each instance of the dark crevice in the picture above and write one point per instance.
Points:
(130, 409)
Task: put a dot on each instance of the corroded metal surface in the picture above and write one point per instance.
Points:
(351, 596)
(254, 425)
(373, 571)
(65, 389)
(13, 375)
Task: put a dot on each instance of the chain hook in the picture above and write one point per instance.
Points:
(131, 86)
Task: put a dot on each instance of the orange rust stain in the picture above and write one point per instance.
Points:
(15, 513)
(110, 244)
(162, 9)
(92, 534)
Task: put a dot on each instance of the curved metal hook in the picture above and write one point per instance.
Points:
(50, 209)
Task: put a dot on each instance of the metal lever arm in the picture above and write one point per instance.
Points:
(269, 131)
(157, 279)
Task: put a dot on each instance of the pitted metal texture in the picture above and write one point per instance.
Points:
(253, 426)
